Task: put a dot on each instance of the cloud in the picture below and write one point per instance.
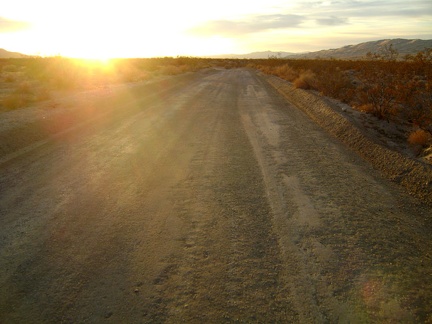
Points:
(332, 21)
(378, 8)
(322, 14)
(254, 24)
(8, 26)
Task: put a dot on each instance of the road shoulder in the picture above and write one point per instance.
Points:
(412, 174)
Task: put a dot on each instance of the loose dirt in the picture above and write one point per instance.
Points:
(210, 198)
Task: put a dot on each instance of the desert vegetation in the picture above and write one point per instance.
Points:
(25, 81)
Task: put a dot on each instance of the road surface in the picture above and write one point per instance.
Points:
(216, 201)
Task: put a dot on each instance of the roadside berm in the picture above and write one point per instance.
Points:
(413, 174)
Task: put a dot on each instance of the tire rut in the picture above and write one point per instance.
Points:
(229, 268)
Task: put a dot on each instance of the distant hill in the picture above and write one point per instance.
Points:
(402, 46)
(254, 55)
(7, 54)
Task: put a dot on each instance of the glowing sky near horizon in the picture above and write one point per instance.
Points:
(131, 28)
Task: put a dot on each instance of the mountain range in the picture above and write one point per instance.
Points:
(7, 54)
(402, 46)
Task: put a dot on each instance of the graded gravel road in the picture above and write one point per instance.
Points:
(213, 201)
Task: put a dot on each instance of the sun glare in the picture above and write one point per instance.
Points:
(105, 30)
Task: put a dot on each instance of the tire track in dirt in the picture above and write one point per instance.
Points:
(230, 266)
(299, 271)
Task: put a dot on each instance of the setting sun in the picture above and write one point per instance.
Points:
(101, 30)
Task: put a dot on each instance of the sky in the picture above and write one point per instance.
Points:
(132, 28)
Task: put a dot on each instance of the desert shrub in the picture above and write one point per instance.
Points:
(23, 94)
(378, 89)
(335, 83)
(419, 137)
(306, 80)
(366, 108)
(264, 68)
(380, 100)
(10, 68)
(286, 72)
(387, 53)
(59, 73)
(416, 97)
(9, 77)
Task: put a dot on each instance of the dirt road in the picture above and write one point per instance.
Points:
(214, 202)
